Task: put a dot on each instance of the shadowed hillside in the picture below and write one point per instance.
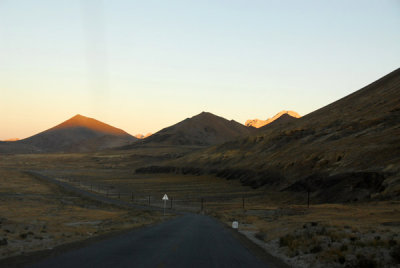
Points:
(203, 129)
(78, 134)
(348, 150)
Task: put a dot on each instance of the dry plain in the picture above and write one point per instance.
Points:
(38, 215)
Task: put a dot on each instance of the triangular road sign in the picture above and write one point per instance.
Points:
(165, 197)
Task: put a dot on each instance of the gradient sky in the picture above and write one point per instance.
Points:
(144, 65)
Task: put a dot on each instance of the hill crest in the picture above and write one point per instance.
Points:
(202, 130)
(257, 123)
(90, 123)
(77, 134)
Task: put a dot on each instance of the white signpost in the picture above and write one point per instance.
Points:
(165, 198)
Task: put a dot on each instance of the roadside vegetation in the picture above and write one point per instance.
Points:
(326, 235)
(39, 215)
(36, 215)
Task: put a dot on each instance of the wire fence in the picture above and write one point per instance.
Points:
(192, 203)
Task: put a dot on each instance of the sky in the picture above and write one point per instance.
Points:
(144, 65)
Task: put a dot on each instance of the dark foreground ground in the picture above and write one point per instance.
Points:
(187, 241)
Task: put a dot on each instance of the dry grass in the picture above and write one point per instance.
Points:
(326, 235)
(36, 215)
(272, 217)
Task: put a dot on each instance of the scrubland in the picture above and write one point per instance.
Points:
(38, 215)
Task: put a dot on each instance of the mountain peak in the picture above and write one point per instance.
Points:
(89, 123)
(78, 134)
(204, 114)
(257, 123)
(78, 116)
(202, 129)
(142, 136)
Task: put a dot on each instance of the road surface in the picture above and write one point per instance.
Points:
(190, 240)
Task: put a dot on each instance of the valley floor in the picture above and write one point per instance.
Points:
(37, 215)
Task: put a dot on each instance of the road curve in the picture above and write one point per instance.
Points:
(190, 240)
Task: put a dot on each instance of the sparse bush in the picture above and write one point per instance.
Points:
(395, 253)
(322, 231)
(287, 241)
(335, 236)
(3, 242)
(364, 262)
(23, 235)
(316, 249)
(342, 259)
(344, 248)
(332, 255)
(392, 243)
(360, 244)
(261, 236)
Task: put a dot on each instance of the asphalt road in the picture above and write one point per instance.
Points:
(190, 240)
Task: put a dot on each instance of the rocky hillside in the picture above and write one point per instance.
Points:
(348, 150)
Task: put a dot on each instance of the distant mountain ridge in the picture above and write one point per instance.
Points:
(348, 150)
(77, 134)
(257, 123)
(141, 136)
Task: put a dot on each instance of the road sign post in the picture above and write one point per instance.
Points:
(165, 198)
